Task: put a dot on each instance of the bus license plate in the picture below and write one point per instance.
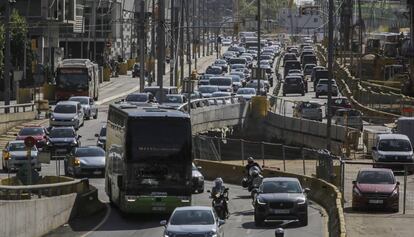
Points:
(158, 208)
(376, 201)
(281, 211)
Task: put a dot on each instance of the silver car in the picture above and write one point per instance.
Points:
(14, 156)
(193, 221)
(89, 160)
(67, 113)
(88, 104)
(308, 110)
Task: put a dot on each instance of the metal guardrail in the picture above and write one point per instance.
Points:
(197, 103)
(17, 108)
(10, 192)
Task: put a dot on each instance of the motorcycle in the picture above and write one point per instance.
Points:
(219, 203)
(248, 181)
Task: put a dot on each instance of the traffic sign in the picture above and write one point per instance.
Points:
(30, 142)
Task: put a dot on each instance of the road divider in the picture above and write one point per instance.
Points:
(322, 192)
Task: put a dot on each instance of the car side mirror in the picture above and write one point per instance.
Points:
(163, 223)
(221, 222)
(374, 148)
(354, 182)
(398, 183)
(307, 190)
(96, 135)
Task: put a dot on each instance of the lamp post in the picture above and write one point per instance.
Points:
(258, 47)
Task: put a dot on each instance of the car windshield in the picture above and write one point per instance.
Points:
(192, 217)
(72, 80)
(375, 177)
(349, 113)
(221, 94)
(281, 187)
(325, 82)
(137, 98)
(89, 152)
(293, 80)
(82, 100)
(220, 81)
(59, 133)
(213, 70)
(102, 133)
(394, 145)
(220, 62)
(19, 147)
(236, 66)
(235, 78)
(310, 105)
(246, 91)
(65, 109)
(31, 131)
(173, 99)
(209, 89)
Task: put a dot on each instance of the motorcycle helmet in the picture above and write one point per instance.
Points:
(250, 160)
(218, 182)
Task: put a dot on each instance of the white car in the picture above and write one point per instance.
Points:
(308, 110)
(226, 42)
(322, 88)
(246, 93)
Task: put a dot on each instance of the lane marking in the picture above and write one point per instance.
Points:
(108, 212)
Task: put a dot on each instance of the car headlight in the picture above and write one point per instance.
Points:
(76, 162)
(394, 193)
(301, 201)
(357, 192)
(260, 202)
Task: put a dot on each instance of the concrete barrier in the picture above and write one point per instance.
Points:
(33, 218)
(10, 120)
(324, 193)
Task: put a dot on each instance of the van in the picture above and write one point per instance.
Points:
(393, 148)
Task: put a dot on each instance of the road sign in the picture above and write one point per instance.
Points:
(30, 142)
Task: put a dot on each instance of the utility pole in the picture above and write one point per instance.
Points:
(360, 40)
(141, 33)
(194, 19)
(187, 10)
(204, 26)
(152, 44)
(172, 48)
(7, 59)
(330, 72)
(161, 47)
(182, 41)
(258, 46)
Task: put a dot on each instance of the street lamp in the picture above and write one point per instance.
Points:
(258, 47)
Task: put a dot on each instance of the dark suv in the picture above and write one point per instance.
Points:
(293, 85)
(281, 198)
(61, 140)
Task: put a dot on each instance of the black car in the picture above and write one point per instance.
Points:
(101, 137)
(62, 140)
(281, 198)
(289, 65)
(197, 179)
(293, 85)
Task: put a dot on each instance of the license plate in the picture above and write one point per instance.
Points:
(158, 208)
(97, 172)
(376, 201)
(280, 211)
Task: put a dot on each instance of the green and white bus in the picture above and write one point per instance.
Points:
(148, 159)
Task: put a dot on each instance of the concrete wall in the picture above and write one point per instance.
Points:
(32, 218)
(10, 120)
(220, 116)
(302, 131)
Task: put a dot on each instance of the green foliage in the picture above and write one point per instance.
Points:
(270, 8)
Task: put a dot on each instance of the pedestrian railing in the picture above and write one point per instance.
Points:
(17, 108)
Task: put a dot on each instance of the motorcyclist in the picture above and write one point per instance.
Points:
(222, 190)
(250, 164)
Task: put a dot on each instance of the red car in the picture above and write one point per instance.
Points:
(375, 188)
(37, 132)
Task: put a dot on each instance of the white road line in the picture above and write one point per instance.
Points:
(108, 212)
